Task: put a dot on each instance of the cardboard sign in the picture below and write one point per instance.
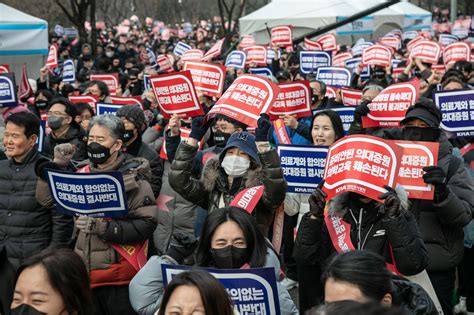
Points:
(282, 36)
(175, 94)
(132, 100)
(415, 156)
(252, 291)
(247, 41)
(358, 48)
(69, 71)
(391, 41)
(377, 55)
(104, 108)
(91, 194)
(427, 51)
(311, 45)
(236, 59)
(164, 63)
(339, 60)
(351, 97)
(248, 97)
(456, 52)
(256, 54)
(110, 79)
(264, 72)
(334, 76)
(192, 55)
(4, 68)
(52, 61)
(294, 99)
(328, 42)
(389, 107)
(89, 99)
(446, 39)
(181, 48)
(302, 166)
(310, 61)
(215, 51)
(207, 78)
(8, 97)
(457, 110)
(361, 164)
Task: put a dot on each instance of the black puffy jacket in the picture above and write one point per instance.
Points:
(26, 227)
(412, 298)
(208, 191)
(75, 135)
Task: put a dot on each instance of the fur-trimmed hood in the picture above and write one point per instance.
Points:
(338, 205)
(211, 174)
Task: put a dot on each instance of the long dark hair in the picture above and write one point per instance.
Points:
(67, 274)
(256, 243)
(364, 269)
(336, 122)
(214, 296)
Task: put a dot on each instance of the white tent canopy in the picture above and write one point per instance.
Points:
(308, 15)
(24, 40)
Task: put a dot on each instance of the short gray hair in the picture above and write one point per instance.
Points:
(111, 122)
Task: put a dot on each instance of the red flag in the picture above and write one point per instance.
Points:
(24, 89)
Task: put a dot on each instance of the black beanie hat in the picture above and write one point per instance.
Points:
(134, 114)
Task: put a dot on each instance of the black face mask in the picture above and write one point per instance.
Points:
(220, 138)
(25, 309)
(429, 134)
(97, 153)
(229, 257)
(127, 135)
(41, 105)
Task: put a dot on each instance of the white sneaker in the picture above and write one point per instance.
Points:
(289, 283)
(461, 308)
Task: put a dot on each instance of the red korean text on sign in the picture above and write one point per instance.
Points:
(89, 99)
(192, 55)
(208, 78)
(351, 97)
(4, 68)
(256, 55)
(282, 36)
(176, 95)
(361, 164)
(52, 61)
(110, 79)
(293, 99)
(391, 41)
(427, 51)
(377, 55)
(248, 97)
(389, 107)
(456, 52)
(312, 45)
(328, 42)
(132, 100)
(339, 60)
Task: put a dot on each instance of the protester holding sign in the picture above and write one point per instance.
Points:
(26, 226)
(230, 240)
(112, 249)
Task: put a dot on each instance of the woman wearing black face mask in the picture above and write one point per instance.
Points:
(40, 106)
(230, 239)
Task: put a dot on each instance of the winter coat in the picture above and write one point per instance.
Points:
(146, 288)
(301, 135)
(75, 135)
(377, 233)
(211, 191)
(27, 227)
(135, 228)
(412, 298)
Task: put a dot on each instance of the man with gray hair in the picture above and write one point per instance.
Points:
(97, 239)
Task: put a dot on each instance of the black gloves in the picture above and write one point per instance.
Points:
(436, 176)
(263, 128)
(42, 164)
(392, 202)
(317, 201)
(181, 246)
(198, 129)
(362, 109)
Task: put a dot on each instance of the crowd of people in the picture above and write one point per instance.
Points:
(179, 192)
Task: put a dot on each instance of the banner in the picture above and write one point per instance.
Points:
(164, 63)
(131, 100)
(89, 99)
(351, 97)
(192, 55)
(248, 198)
(69, 71)
(347, 116)
(257, 55)
(4, 68)
(215, 51)
(181, 48)
(415, 156)
(339, 60)
(294, 99)
(311, 45)
(71, 32)
(352, 64)
(110, 79)
(389, 107)
(207, 77)
(24, 89)
(175, 94)
(247, 41)
(456, 52)
(334, 76)
(52, 60)
(427, 51)
(236, 59)
(327, 42)
(92, 194)
(377, 55)
(248, 97)
(302, 166)
(457, 110)
(413, 42)
(446, 39)
(363, 25)
(8, 97)
(310, 61)
(330, 92)
(264, 72)
(391, 41)
(358, 48)
(252, 291)
(271, 55)
(282, 36)
(104, 108)
(361, 164)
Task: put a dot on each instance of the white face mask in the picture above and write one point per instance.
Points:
(235, 165)
(109, 54)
